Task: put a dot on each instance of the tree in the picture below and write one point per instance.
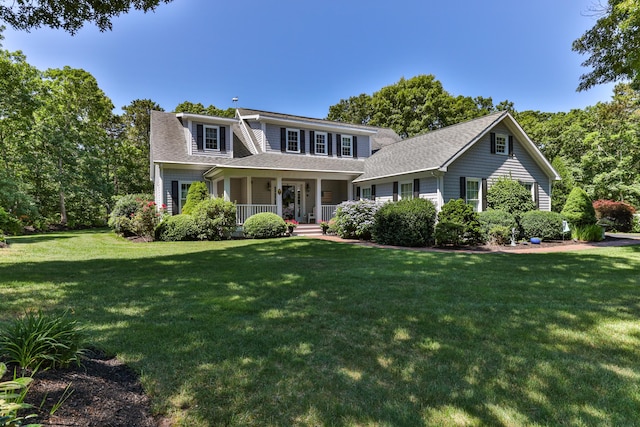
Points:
(211, 110)
(613, 45)
(579, 209)
(356, 109)
(69, 15)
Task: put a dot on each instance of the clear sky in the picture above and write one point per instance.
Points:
(300, 56)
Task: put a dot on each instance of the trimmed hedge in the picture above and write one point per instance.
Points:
(620, 214)
(177, 228)
(405, 223)
(198, 192)
(496, 218)
(458, 212)
(579, 208)
(509, 195)
(215, 219)
(542, 224)
(264, 226)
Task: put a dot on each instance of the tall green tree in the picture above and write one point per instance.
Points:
(356, 109)
(613, 45)
(211, 110)
(69, 15)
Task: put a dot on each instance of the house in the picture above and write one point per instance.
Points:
(302, 168)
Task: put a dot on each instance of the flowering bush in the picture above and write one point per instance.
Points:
(291, 223)
(135, 215)
(355, 219)
(619, 213)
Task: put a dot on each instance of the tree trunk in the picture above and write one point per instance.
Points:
(63, 209)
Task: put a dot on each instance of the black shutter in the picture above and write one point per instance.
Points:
(485, 187)
(199, 137)
(358, 193)
(302, 141)
(511, 145)
(536, 198)
(223, 139)
(175, 198)
(283, 139)
(373, 192)
(395, 191)
(312, 142)
(355, 146)
(338, 145)
(492, 137)
(416, 188)
(330, 144)
(463, 188)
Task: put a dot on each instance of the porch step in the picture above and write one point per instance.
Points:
(308, 230)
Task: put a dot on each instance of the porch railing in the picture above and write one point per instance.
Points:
(245, 211)
(328, 211)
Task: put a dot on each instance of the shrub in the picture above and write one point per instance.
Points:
(8, 223)
(636, 224)
(41, 340)
(215, 219)
(409, 222)
(587, 233)
(500, 235)
(542, 224)
(494, 218)
(354, 219)
(579, 209)
(510, 196)
(264, 225)
(619, 213)
(458, 212)
(122, 218)
(12, 394)
(197, 193)
(177, 228)
(448, 233)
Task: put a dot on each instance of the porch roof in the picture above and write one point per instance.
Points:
(275, 161)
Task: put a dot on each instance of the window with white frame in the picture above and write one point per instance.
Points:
(211, 140)
(473, 193)
(529, 186)
(366, 193)
(501, 144)
(293, 140)
(184, 189)
(406, 190)
(346, 146)
(321, 143)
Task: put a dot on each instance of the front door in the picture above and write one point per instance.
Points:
(291, 201)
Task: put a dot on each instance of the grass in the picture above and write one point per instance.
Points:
(313, 333)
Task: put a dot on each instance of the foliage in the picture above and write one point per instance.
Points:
(560, 189)
(12, 394)
(215, 219)
(496, 218)
(126, 214)
(635, 228)
(499, 235)
(579, 208)
(198, 192)
(449, 233)
(458, 212)
(176, 228)
(509, 195)
(324, 226)
(70, 16)
(211, 110)
(408, 222)
(355, 219)
(8, 223)
(542, 224)
(611, 45)
(39, 340)
(291, 224)
(587, 232)
(619, 213)
(264, 225)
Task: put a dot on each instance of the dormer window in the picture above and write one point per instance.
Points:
(211, 138)
(293, 141)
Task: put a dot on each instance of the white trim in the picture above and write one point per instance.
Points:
(204, 138)
(341, 147)
(466, 191)
(397, 174)
(362, 196)
(326, 143)
(505, 137)
(180, 183)
(286, 141)
(209, 119)
(310, 124)
(400, 184)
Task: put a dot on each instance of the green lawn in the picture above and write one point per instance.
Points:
(313, 333)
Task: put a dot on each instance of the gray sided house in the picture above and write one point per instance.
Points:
(302, 168)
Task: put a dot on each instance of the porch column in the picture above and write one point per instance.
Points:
(227, 188)
(279, 196)
(249, 191)
(318, 212)
(349, 190)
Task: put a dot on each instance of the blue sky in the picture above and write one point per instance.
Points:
(300, 57)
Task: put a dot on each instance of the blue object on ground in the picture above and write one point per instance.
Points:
(535, 240)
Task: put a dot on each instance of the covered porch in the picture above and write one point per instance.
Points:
(305, 197)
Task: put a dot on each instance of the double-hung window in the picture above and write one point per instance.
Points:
(406, 190)
(366, 193)
(211, 138)
(293, 140)
(321, 143)
(473, 193)
(184, 189)
(346, 146)
(501, 144)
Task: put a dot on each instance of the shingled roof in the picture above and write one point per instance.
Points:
(429, 151)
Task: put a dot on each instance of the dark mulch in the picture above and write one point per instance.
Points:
(105, 393)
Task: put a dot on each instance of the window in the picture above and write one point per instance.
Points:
(529, 186)
(293, 140)
(184, 189)
(346, 146)
(321, 143)
(211, 141)
(501, 144)
(366, 193)
(406, 190)
(473, 193)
